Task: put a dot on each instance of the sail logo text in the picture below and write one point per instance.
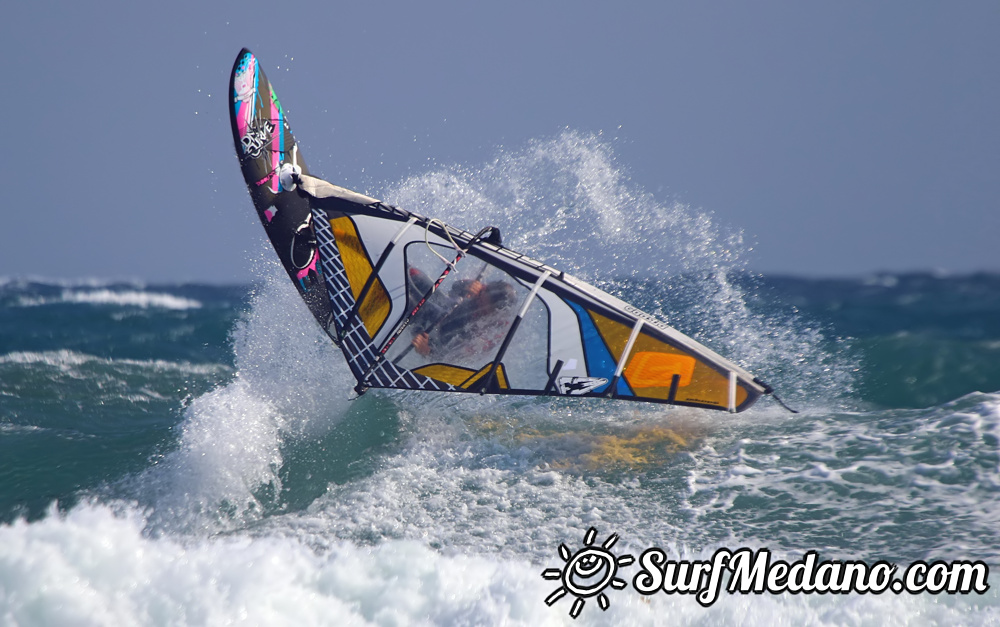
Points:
(756, 573)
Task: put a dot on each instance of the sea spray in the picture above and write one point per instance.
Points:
(567, 202)
(564, 200)
(290, 382)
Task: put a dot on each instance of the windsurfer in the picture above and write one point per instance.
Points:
(470, 300)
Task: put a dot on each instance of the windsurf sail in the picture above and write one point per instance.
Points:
(417, 304)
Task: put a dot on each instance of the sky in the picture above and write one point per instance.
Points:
(842, 138)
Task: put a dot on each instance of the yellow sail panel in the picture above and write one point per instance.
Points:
(358, 267)
(741, 393)
(703, 384)
(614, 334)
(460, 377)
(653, 372)
(453, 375)
(707, 388)
(501, 377)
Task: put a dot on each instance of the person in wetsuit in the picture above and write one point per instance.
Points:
(469, 300)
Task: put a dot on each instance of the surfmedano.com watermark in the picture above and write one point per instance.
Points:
(589, 571)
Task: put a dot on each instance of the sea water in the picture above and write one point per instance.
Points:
(189, 454)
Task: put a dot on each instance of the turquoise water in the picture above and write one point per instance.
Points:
(189, 454)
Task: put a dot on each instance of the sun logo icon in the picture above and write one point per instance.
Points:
(587, 572)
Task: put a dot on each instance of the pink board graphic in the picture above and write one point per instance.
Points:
(264, 142)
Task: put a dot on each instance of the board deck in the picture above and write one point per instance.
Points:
(264, 142)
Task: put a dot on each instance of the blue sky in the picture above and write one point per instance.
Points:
(842, 138)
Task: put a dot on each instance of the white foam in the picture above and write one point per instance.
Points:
(95, 567)
(91, 282)
(127, 298)
(6, 427)
(911, 484)
(69, 361)
(291, 381)
(229, 447)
